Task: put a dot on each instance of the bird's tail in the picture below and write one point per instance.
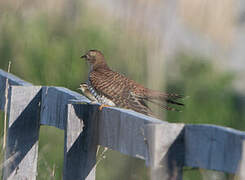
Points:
(163, 99)
(162, 96)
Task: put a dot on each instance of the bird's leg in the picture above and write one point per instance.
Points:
(103, 105)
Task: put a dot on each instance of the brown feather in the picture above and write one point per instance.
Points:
(123, 91)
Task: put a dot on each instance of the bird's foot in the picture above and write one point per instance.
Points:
(103, 105)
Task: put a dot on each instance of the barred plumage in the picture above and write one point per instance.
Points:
(114, 89)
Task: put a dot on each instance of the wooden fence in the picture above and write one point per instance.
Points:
(165, 147)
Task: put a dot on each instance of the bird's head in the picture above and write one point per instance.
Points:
(94, 58)
(83, 87)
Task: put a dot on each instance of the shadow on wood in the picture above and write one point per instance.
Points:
(23, 134)
(175, 157)
(166, 147)
(166, 150)
(81, 142)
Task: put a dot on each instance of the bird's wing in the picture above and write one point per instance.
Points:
(119, 89)
(128, 94)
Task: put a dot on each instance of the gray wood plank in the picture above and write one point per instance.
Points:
(81, 139)
(123, 130)
(241, 170)
(22, 137)
(13, 80)
(166, 150)
(87, 127)
(213, 147)
(120, 129)
(203, 146)
(54, 105)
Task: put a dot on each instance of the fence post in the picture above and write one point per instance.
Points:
(23, 131)
(241, 169)
(166, 152)
(80, 143)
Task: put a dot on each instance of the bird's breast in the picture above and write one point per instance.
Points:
(100, 98)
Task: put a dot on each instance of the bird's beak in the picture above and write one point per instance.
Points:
(84, 56)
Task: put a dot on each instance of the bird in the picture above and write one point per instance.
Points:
(86, 92)
(90, 93)
(110, 88)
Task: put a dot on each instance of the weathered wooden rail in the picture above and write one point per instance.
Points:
(166, 147)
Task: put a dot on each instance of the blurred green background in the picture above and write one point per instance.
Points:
(44, 41)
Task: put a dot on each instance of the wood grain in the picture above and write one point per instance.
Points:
(13, 80)
(23, 133)
(54, 105)
(80, 144)
(162, 145)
